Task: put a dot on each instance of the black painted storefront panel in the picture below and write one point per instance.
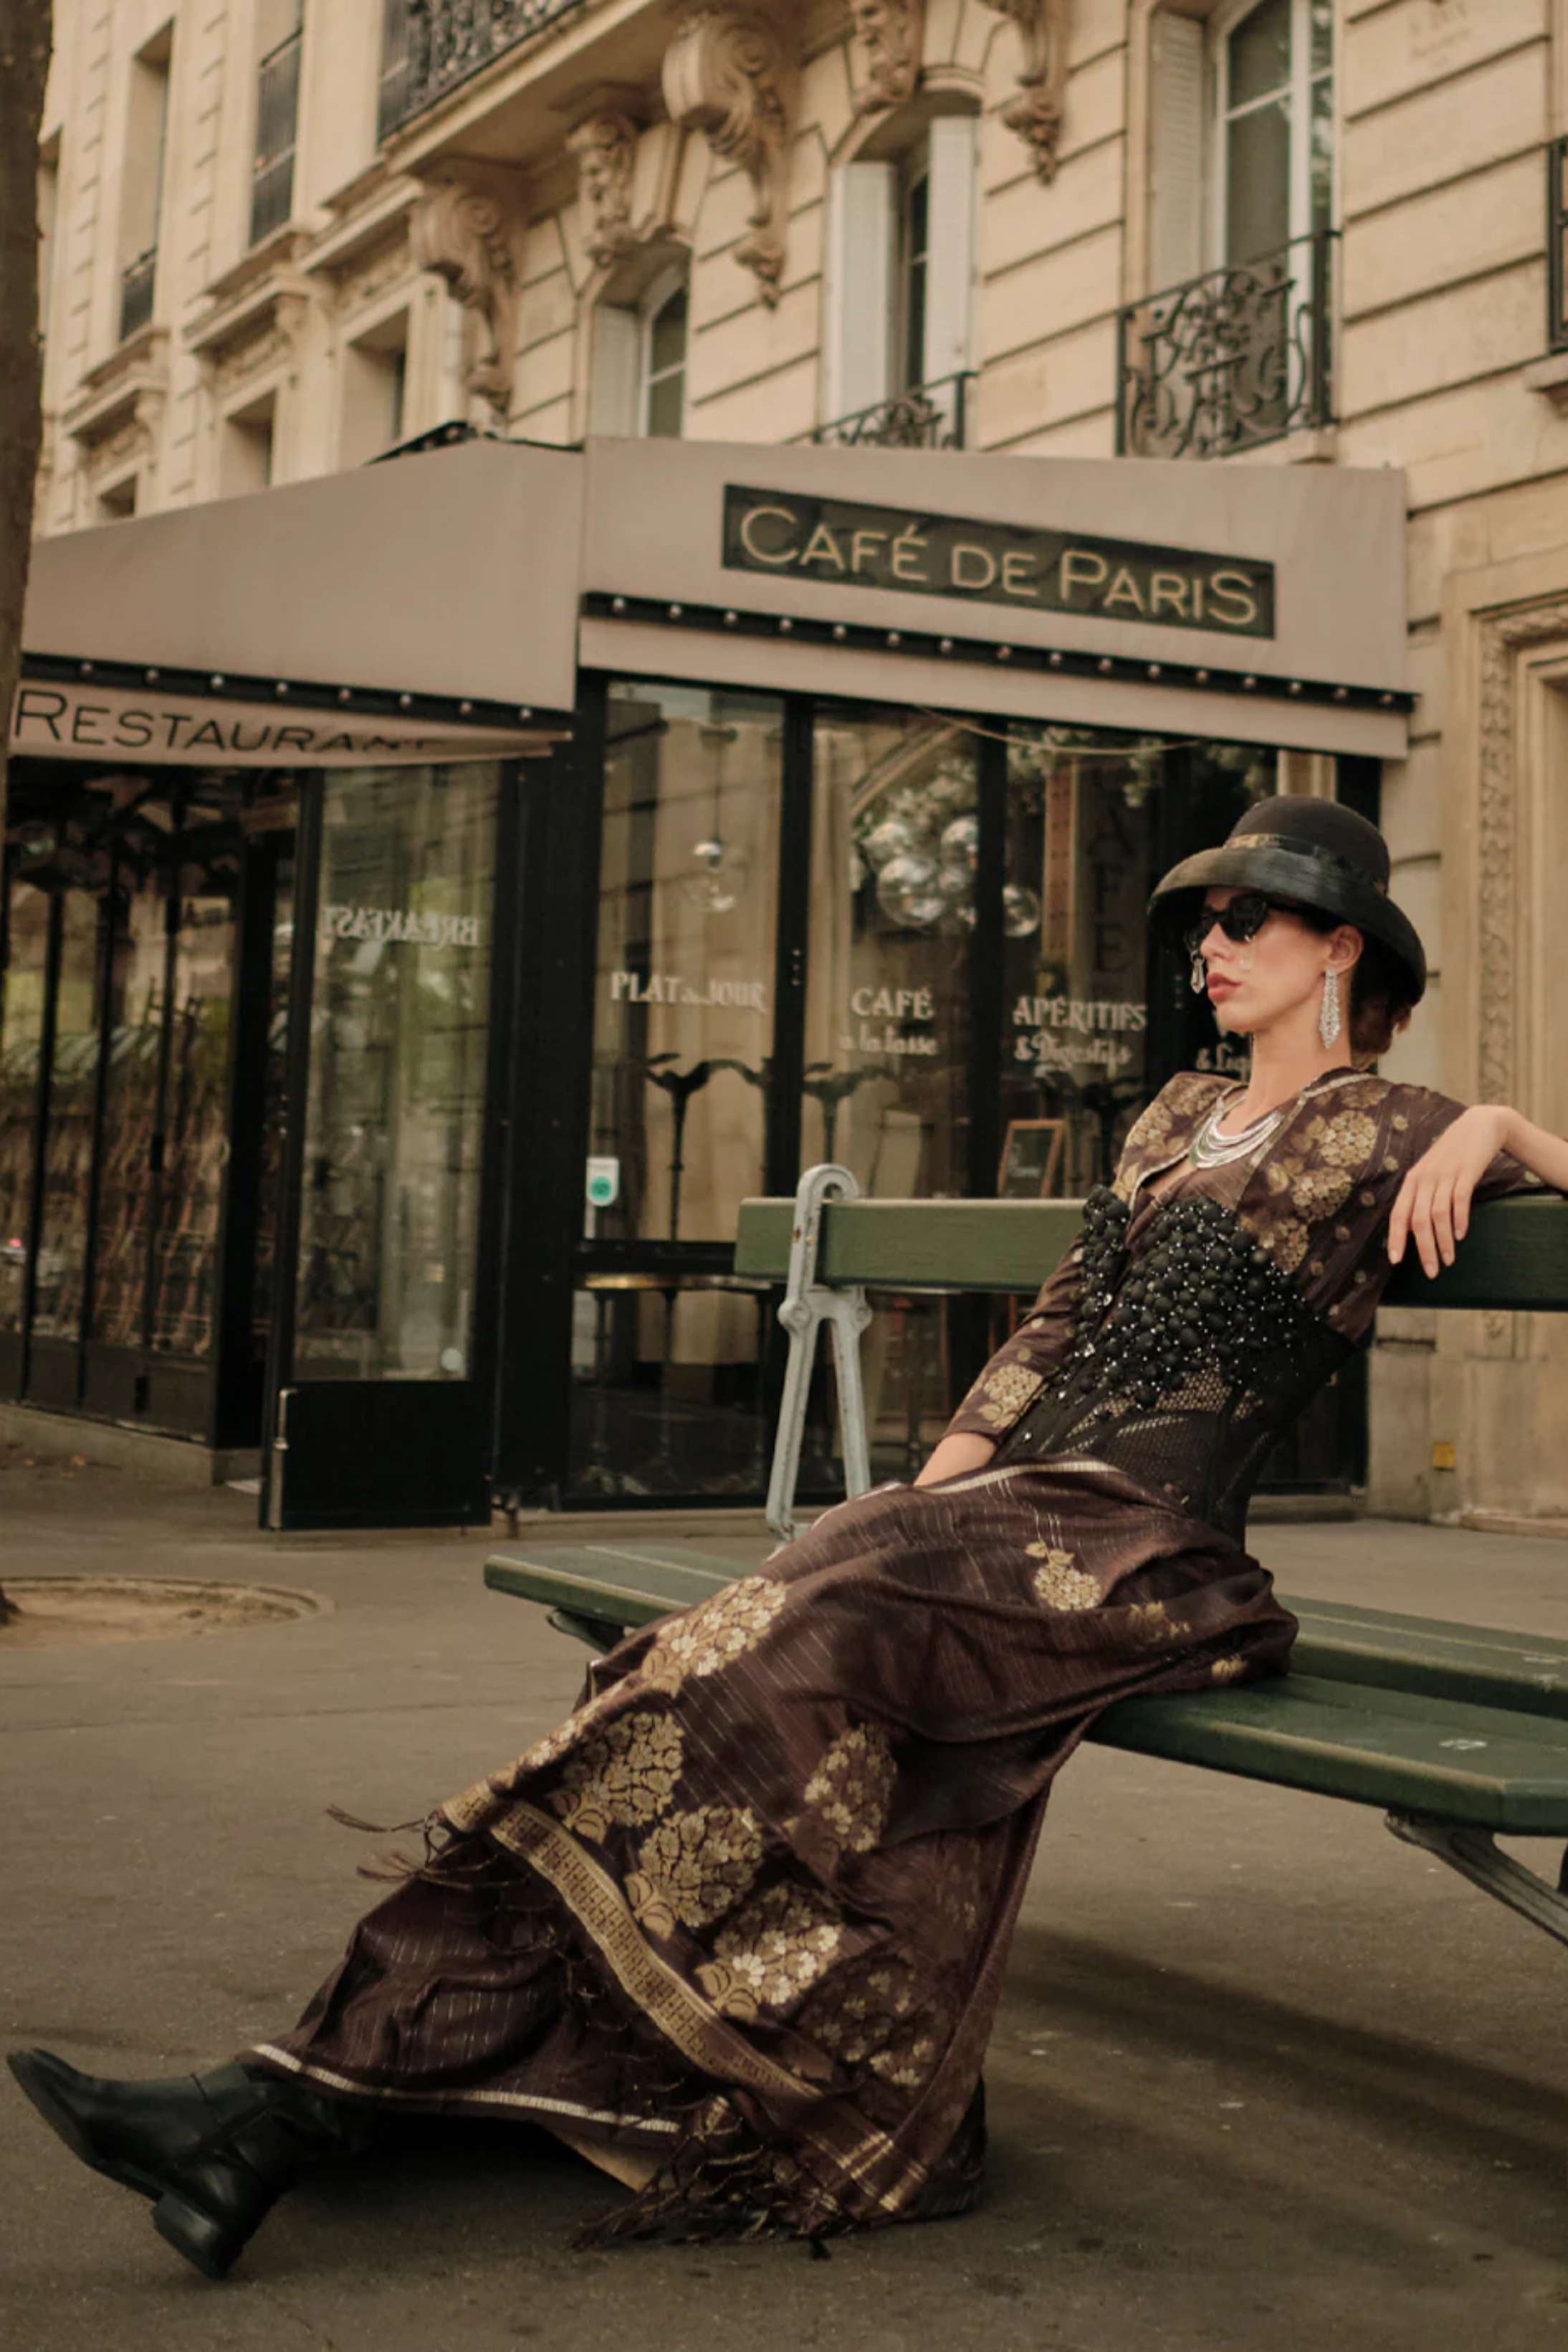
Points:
(386, 1453)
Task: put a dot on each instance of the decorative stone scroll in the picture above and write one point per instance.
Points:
(891, 35)
(1036, 112)
(606, 151)
(729, 72)
(462, 230)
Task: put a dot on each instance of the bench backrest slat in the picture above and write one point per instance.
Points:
(1515, 1256)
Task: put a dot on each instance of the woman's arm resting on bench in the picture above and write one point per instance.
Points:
(1433, 1206)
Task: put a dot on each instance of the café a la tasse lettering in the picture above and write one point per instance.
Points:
(845, 544)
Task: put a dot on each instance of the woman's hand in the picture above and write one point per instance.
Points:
(963, 1451)
(1433, 1207)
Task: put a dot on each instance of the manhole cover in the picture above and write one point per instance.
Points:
(54, 1609)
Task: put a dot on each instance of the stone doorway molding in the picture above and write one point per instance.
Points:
(1499, 1383)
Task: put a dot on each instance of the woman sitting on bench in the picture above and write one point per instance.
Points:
(737, 1929)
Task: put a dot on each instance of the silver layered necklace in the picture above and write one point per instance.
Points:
(1209, 1148)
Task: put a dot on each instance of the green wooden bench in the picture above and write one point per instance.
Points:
(1457, 1733)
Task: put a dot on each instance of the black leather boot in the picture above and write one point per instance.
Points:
(214, 2152)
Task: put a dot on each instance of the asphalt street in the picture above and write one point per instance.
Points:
(1262, 2079)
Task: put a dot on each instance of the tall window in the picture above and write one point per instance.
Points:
(665, 328)
(49, 220)
(638, 374)
(1241, 156)
(142, 189)
(280, 28)
(900, 271)
(1273, 70)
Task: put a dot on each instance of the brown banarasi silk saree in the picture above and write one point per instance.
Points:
(738, 1926)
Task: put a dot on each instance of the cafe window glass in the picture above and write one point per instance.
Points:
(137, 975)
(21, 1034)
(894, 841)
(395, 1119)
(195, 1114)
(1081, 864)
(683, 1032)
(68, 1150)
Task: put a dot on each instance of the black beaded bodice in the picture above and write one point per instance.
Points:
(1188, 1355)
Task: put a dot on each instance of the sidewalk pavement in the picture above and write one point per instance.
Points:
(1261, 2078)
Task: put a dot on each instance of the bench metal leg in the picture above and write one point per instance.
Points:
(1474, 1854)
(808, 1304)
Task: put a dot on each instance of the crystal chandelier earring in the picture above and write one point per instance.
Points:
(1328, 1012)
(1199, 974)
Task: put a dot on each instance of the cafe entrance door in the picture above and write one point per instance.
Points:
(382, 1365)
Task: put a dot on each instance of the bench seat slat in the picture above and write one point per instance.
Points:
(1514, 1256)
(1473, 1765)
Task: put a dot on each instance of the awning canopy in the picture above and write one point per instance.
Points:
(438, 607)
(1259, 602)
(389, 613)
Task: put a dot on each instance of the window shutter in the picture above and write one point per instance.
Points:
(1176, 149)
(615, 395)
(951, 268)
(855, 359)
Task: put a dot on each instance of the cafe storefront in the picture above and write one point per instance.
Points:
(436, 896)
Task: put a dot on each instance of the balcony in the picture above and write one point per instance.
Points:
(277, 120)
(136, 283)
(1241, 356)
(446, 41)
(926, 416)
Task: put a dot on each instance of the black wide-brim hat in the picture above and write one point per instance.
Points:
(1314, 854)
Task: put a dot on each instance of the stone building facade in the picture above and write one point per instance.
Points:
(1240, 232)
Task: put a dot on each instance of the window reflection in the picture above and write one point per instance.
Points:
(683, 1005)
(21, 1030)
(138, 980)
(893, 848)
(395, 1121)
(67, 1152)
(196, 1120)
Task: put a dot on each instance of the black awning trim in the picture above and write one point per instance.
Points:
(940, 646)
(290, 693)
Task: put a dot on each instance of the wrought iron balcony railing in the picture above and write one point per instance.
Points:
(1557, 245)
(276, 124)
(926, 416)
(136, 283)
(1242, 355)
(396, 83)
(449, 39)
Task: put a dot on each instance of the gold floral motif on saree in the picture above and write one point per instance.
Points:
(694, 1867)
(1150, 1622)
(1000, 1396)
(772, 1952)
(622, 1777)
(851, 1791)
(1226, 1670)
(706, 1639)
(1060, 1582)
(472, 1810)
(881, 2015)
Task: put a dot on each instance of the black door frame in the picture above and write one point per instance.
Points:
(365, 1427)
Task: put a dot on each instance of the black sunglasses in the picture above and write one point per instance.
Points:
(1241, 920)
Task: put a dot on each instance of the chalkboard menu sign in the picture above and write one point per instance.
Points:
(1032, 1159)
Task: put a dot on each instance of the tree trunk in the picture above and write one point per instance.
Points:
(25, 35)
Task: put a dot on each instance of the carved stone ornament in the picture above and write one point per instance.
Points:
(729, 72)
(462, 230)
(1036, 112)
(891, 35)
(606, 151)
